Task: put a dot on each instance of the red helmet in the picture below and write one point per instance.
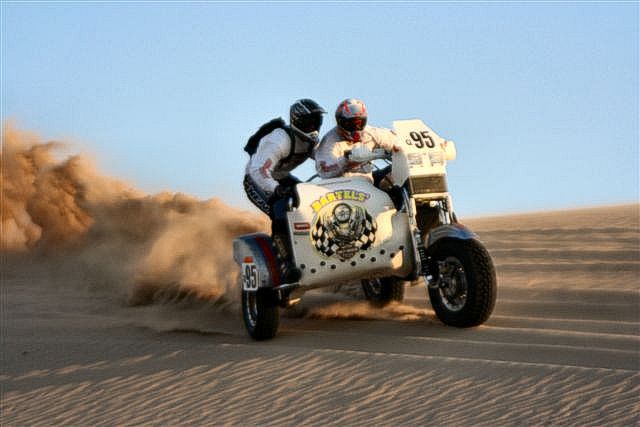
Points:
(351, 117)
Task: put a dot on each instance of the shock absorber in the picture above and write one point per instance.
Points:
(421, 251)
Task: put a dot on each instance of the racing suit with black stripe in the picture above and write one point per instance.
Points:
(278, 153)
(271, 165)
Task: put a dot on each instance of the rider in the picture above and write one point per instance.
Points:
(351, 128)
(268, 182)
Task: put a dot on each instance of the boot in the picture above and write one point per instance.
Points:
(290, 272)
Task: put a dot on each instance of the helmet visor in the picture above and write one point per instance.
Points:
(309, 123)
(353, 124)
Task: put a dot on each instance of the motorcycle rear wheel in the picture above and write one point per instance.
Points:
(382, 291)
(465, 291)
(260, 313)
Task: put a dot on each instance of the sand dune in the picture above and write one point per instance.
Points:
(120, 308)
(562, 347)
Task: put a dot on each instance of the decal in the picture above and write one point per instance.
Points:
(414, 159)
(250, 278)
(343, 230)
(421, 139)
(338, 195)
(301, 227)
(264, 170)
(328, 168)
(436, 158)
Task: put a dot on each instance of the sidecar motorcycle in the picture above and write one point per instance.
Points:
(345, 230)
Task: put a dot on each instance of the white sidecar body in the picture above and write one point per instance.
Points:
(345, 228)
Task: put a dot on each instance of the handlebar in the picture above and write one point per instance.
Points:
(363, 154)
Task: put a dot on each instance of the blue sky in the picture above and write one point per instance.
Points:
(540, 98)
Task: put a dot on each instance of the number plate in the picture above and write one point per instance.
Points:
(249, 277)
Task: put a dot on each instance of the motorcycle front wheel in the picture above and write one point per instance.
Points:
(464, 288)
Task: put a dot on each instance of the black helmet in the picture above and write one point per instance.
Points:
(351, 117)
(306, 118)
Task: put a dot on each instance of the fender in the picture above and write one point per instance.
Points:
(258, 248)
(454, 231)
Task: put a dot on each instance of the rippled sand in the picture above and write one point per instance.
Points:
(562, 346)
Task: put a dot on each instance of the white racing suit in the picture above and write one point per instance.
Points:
(330, 154)
(270, 167)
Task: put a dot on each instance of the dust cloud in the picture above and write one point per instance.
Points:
(100, 231)
(69, 226)
(361, 310)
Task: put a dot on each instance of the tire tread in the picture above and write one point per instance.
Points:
(481, 297)
(392, 290)
(268, 318)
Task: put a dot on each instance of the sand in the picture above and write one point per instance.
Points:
(121, 308)
(561, 348)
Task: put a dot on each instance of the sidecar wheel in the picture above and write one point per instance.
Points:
(380, 292)
(464, 293)
(260, 313)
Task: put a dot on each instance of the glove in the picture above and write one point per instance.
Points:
(283, 191)
(359, 153)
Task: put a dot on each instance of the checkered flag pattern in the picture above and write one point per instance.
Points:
(322, 241)
(327, 242)
(369, 233)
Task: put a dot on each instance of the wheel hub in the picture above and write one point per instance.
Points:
(452, 283)
(251, 307)
(375, 287)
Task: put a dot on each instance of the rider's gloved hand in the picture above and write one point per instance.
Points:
(283, 191)
(359, 153)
